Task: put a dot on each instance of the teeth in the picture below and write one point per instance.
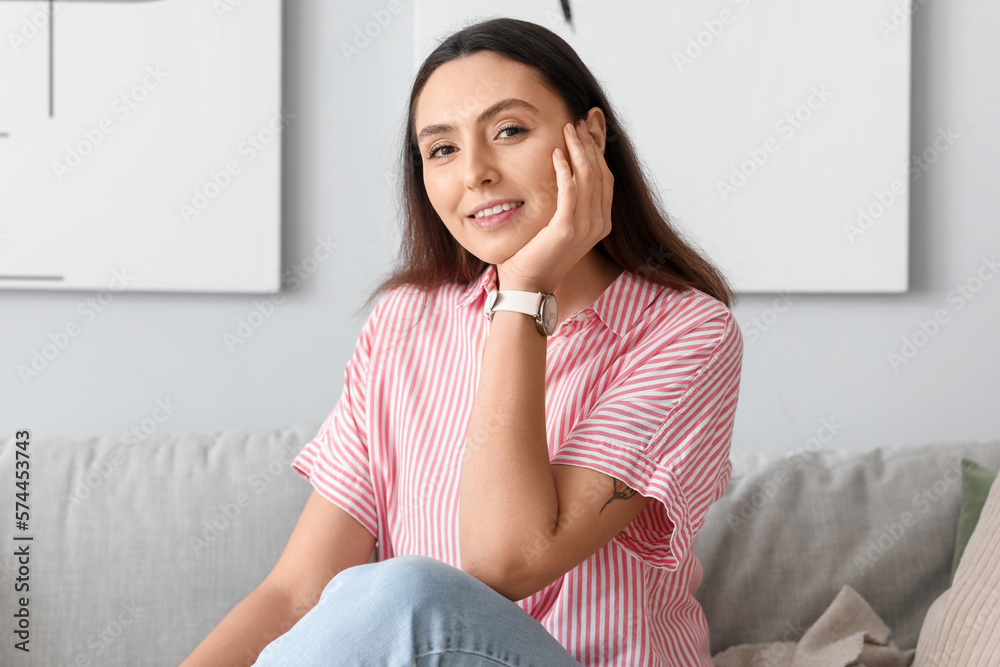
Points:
(497, 209)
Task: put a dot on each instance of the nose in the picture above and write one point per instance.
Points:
(480, 166)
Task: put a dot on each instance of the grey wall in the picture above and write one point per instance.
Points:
(822, 360)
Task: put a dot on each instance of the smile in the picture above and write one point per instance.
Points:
(495, 217)
(497, 209)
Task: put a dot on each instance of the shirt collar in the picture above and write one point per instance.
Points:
(619, 307)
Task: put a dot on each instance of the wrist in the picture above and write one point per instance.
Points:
(541, 306)
(518, 284)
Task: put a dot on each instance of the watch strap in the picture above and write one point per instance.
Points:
(529, 303)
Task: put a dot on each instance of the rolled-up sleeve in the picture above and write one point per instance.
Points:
(664, 429)
(336, 462)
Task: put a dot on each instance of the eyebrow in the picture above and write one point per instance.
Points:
(487, 114)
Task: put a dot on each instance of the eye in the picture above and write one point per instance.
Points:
(511, 127)
(431, 154)
(516, 129)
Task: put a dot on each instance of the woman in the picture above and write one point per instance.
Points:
(533, 478)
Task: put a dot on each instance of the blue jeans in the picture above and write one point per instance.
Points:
(413, 611)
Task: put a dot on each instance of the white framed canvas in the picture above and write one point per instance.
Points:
(777, 132)
(140, 145)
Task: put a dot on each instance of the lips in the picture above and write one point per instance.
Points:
(496, 205)
(495, 220)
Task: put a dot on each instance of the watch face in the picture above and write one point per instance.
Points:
(550, 314)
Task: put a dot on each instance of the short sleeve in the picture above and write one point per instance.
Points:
(664, 429)
(336, 462)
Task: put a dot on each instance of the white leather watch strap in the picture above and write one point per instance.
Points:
(520, 302)
(530, 303)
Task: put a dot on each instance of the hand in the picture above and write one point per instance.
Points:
(581, 220)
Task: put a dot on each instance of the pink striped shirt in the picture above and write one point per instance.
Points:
(641, 385)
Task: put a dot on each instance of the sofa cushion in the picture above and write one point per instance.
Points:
(792, 529)
(961, 627)
(139, 549)
(976, 483)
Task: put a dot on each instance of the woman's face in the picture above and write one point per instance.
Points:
(507, 155)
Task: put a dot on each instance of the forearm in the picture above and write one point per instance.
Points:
(507, 493)
(261, 617)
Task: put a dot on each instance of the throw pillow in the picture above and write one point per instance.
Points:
(976, 482)
(962, 626)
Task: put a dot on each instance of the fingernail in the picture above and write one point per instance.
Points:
(572, 130)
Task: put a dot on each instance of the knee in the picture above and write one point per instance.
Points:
(421, 580)
(419, 575)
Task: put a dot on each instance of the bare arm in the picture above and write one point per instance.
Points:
(325, 541)
(523, 522)
(263, 615)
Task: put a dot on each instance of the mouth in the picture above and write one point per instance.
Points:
(499, 208)
(497, 216)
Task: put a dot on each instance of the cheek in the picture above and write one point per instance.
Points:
(446, 180)
(436, 189)
(444, 198)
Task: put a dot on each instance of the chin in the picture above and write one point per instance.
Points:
(489, 257)
(495, 253)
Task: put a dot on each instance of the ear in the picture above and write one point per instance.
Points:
(597, 126)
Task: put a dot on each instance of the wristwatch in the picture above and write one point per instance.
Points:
(541, 306)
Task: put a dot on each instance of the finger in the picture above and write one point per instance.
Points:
(587, 140)
(583, 171)
(597, 190)
(589, 149)
(607, 190)
(565, 187)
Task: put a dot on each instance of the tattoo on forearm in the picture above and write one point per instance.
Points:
(624, 493)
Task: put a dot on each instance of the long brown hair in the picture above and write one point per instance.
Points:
(641, 240)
